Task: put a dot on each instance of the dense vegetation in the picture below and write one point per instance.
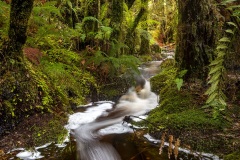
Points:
(56, 55)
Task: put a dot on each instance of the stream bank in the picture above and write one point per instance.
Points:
(181, 115)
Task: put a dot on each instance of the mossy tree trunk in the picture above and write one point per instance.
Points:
(145, 44)
(196, 37)
(15, 88)
(130, 3)
(19, 16)
(131, 31)
(116, 20)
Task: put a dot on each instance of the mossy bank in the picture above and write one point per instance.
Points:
(181, 113)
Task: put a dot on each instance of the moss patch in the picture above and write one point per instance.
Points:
(53, 130)
(233, 156)
(185, 120)
(180, 114)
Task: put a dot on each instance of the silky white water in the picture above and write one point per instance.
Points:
(106, 118)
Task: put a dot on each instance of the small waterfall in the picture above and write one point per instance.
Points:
(106, 118)
(87, 133)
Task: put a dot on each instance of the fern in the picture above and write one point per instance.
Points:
(90, 18)
(49, 9)
(216, 97)
(104, 33)
(104, 11)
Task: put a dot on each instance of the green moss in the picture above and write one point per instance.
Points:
(115, 88)
(180, 114)
(146, 58)
(191, 119)
(233, 156)
(166, 77)
(51, 131)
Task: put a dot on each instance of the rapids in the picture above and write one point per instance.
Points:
(88, 127)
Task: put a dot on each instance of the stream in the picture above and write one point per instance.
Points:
(99, 131)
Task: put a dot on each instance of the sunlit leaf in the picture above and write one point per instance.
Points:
(215, 69)
(179, 83)
(224, 39)
(215, 77)
(211, 98)
(229, 31)
(221, 46)
(232, 24)
(216, 61)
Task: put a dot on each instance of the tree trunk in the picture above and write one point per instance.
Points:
(130, 3)
(116, 18)
(19, 16)
(196, 37)
(130, 34)
(15, 86)
(145, 44)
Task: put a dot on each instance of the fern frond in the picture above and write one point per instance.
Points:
(229, 31)
(225, 2)
(216, 97)
(90, 18)
(225, 39)
(232, 24)
(221, 46)
(104, 11)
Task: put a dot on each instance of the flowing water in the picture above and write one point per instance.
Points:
(98, 130)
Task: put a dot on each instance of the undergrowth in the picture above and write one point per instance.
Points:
(179, 113)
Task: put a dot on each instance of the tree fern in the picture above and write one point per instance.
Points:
(216, 97)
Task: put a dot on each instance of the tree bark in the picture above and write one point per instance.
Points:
(145, 43)
(196, 37)
(116, 18)
(131, 30)
(19, 16)
(15, 84)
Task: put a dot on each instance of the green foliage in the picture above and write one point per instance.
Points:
(179, 82)
(18, 93)
(177, 110)
(168, 77)
(115, 64)
(179, 114)
(216, 97)
(104, 33)
(47, 31)
(44, 88)
(59, 76)
(65, 75)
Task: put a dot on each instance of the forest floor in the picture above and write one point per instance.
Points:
(24, 135)
(228, 139)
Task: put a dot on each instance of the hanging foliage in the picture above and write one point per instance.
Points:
(216, 97)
